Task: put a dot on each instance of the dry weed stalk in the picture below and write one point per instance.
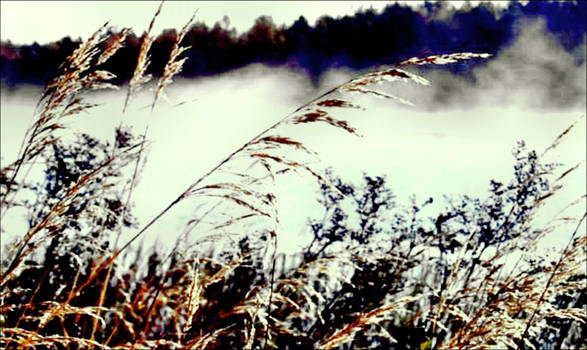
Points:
(516, 307)
(174, 64)
(139, 77)
(34, 339)
(60, 99)
(346, 334)
(113, 45)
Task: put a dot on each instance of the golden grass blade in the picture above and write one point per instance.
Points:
(113, 45)
(27, 339)
(346, 334)
(322, 116)
(560, 137)
(443, 59)
(59, 100)
(139, 77)
(174, 64)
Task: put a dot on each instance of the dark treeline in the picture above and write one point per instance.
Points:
(365, 39)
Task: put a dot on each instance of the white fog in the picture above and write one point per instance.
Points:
(456, 138)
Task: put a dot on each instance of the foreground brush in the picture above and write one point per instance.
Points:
(392, 279)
